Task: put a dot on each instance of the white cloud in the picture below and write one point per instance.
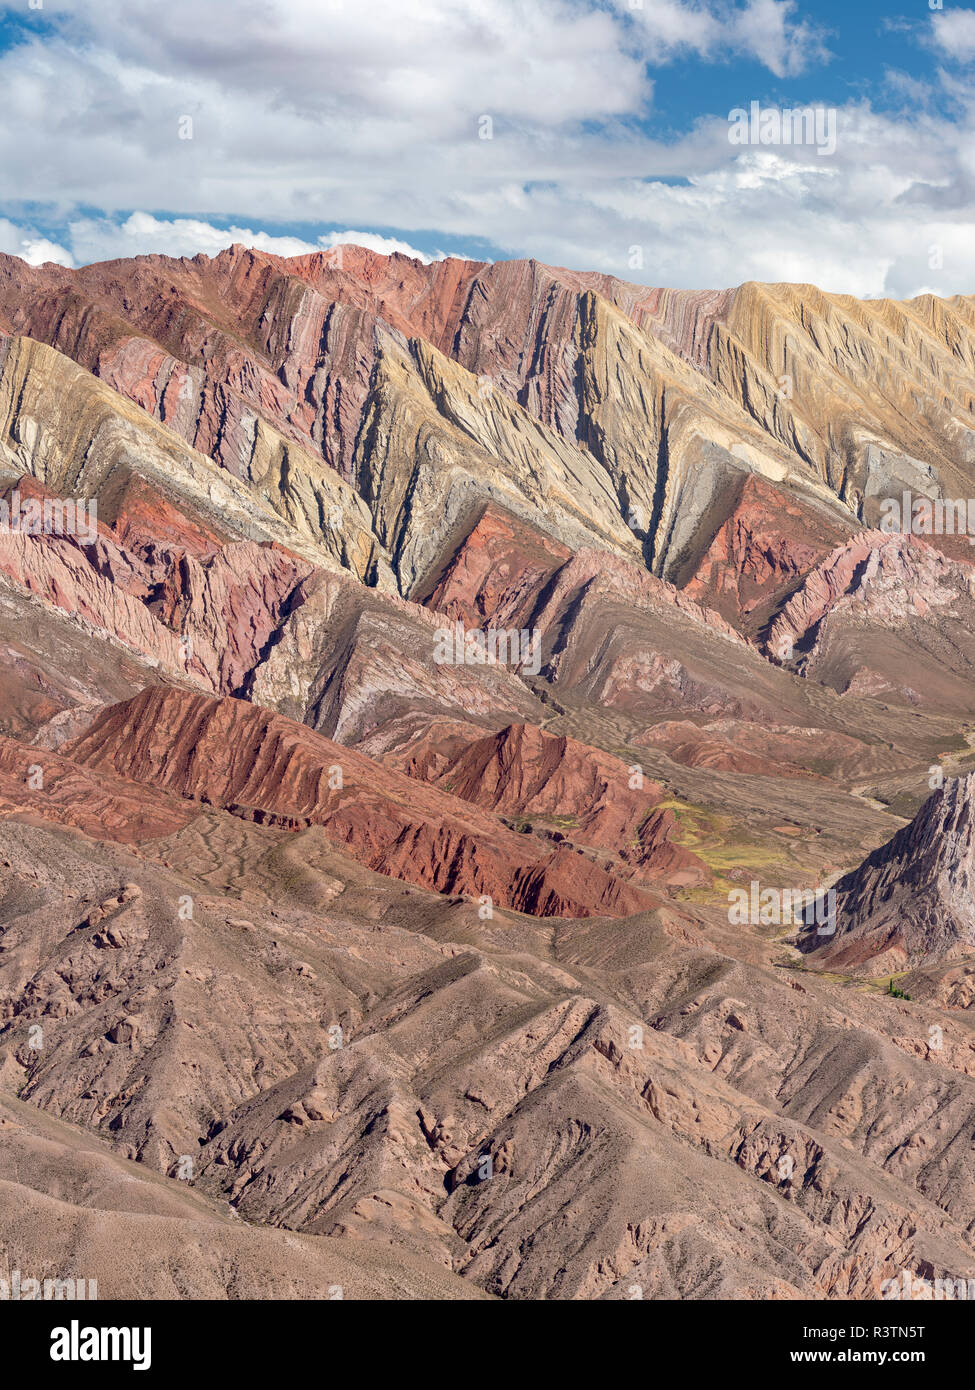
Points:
(953, 32)
(763, 29)
(306, 112)
(426, 61)
(385, 245)
(141, 234)
(30, 246)
(670, 27)
(100, 239)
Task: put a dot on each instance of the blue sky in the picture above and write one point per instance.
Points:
(863, 40)
(128, 126)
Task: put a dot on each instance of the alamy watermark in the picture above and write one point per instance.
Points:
(50, 516)
(17, 1287)
(756, 906)
(77, 1343)
(493, 646)
(928, 516)
(774, 125)
(911, 1286)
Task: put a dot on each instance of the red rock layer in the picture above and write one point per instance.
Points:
(885, 571)
(229, 606)
(601, 572)
(524, 769)
(88, 583)
(140, 517)
(39, 785)
(768, 541)
(658, 859)
(738, 746)
(267, 768)
(202, 344)
(500, 565)
(206, 612)
(573, 792)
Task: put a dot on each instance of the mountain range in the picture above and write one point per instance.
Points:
(446, 648)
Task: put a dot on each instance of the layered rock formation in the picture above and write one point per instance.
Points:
(386, 1074)
(524, 772)
(766, 543)
(884, 615)
(597, 408)
(82, 439)
(271, 770)
(377, 772)
(912, 901)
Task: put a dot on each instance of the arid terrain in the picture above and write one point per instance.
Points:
(404, 767)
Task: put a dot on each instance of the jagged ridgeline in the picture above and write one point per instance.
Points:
(425, 693)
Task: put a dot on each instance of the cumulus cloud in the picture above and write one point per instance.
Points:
(385, 245)
(517, 122)
(767, 30)
(789, 220)
(953, 33)
(431, 62)
(101, 239)
(30, 246)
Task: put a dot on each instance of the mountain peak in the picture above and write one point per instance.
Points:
(911, 901)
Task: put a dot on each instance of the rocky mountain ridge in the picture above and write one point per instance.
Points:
(409, 952)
